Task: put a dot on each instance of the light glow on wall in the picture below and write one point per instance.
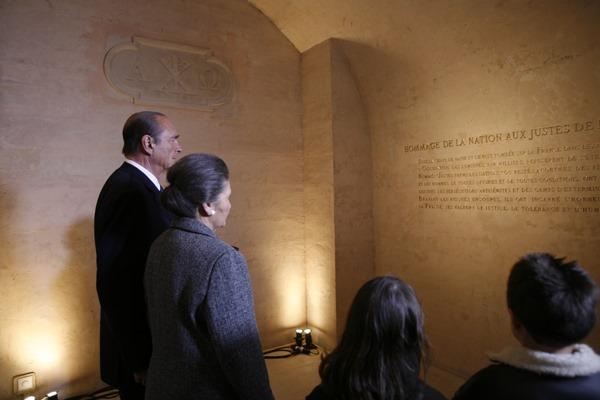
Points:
(320, 287)
(41, 347)
(292, 299)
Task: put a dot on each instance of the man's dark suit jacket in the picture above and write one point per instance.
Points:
(128, 218)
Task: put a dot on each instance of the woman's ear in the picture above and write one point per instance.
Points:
(206, 210)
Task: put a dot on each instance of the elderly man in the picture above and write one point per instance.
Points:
(128, 218)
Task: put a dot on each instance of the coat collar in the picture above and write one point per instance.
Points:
(192, 225)
(140, 176)
(147, 173)
(581, 362)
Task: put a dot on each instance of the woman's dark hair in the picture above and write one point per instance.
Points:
(193, 180)
(381, 350)
(553, 299)
(140, 124)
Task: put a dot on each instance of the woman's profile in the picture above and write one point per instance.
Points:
(205, 343)
(380, 354)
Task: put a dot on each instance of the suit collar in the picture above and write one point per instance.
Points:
(140, 175)
(148, 174)
(192, 225)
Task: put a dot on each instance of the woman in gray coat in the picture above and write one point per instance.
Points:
(205, 343)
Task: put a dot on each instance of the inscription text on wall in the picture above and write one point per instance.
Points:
(530, 177)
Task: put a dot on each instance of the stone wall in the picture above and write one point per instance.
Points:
(61, 138)
(338, 190)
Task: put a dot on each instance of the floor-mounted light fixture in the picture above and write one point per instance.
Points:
(308, 339)
(52, 395)
(298, 338)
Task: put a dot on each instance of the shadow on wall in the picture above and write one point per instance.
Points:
(386, 82)
(74, 294)
(384, 79)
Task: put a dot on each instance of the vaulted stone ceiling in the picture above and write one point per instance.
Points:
(414, 51)
(413, 24)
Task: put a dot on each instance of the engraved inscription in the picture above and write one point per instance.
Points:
(155, 72)
(557, 178)
(521, 135)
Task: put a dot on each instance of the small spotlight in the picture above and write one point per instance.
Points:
(298, 337)
(52, 395)
(308, 338)
(29, 398)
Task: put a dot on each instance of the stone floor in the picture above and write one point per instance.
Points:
(293, 378)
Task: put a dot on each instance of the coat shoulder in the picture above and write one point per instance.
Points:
(196, 245)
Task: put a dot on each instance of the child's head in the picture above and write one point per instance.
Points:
(385, 314)
(382, 347)
(555, 301)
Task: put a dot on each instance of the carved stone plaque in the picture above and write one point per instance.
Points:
(155, 72)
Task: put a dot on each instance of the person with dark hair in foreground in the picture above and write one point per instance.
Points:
(205, 342)
(382, 348)
(552, 307)
(128, 218)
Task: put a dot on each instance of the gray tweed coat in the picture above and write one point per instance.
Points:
(205, 343)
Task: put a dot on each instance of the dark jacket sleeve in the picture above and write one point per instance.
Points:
(229, 312)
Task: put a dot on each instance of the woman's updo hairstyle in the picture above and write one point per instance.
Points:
(194, 179)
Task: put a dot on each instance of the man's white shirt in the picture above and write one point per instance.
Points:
(145, 171)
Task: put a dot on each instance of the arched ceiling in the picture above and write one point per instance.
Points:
(307, 23)
(413, 52)
(410, 23)
(420, 26)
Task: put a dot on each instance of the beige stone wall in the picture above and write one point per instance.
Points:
(429, 74)
(60, 139)
(482, 73)
(319, 193)
(354, 247)
(338, 195)
(436, 71)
